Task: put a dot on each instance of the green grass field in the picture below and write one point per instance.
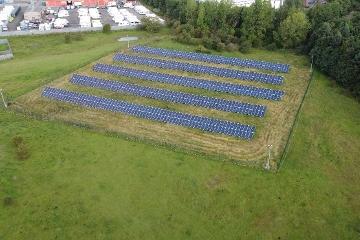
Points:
(3, 47)
(81, 184)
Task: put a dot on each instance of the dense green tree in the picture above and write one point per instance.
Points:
(329, 32)
(257, 20)
(190, 11)
(293, 30)
(150, 24)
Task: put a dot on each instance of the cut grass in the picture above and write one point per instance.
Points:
(3, 47)
(80, 184)
(273, 129)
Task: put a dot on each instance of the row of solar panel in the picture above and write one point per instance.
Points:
(188, 67)
(170, 96)
(237, 89)
(276, 67)
(153, 113)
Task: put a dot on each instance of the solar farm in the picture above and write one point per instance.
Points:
(226, 107)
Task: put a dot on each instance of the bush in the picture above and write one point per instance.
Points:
(202, 49)
(271, 46)
(220, 46)
(208, 43)
(78, 36)
(8, 201)
(22, 151)
(245, 46)
(67, 38)
(106, 28)
(17, 140)
(150, 25)
(231, 47)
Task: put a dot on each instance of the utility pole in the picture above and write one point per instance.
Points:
(267, 164)
(3, 99)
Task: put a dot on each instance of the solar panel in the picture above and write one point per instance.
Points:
(171, 96)
(276, 67)
(152, 113)
(237, 89)
(188, 67)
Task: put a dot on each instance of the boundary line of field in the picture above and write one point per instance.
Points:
(6, 54)
(291, 133)
(64, 30)
(138, 139)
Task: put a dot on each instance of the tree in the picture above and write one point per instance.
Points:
(200, 22)
(150, 24)
(257, 21)
(106, 28)
(293, 30)
(190, 11)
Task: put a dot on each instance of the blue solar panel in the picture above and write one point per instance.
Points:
(221, 72)
(237, 89)
(276, 67)
(171, 96)
(152, 113)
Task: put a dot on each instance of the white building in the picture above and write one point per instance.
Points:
(247, 3)
(243, 3)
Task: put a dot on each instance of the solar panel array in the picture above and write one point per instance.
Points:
(171, 96)
(276, 67)
(153, 113)
(221, 72)
(237, 89)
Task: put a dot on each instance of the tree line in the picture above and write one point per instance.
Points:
(329, 33)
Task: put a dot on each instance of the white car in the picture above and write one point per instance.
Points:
(111, 4)
(96, 24)
(63, 13)
(128, 5)
(60, 23)
(123, 23)
(94, 13)
(83, 12)
(141, 10)
(77, 4)
(118, 18)
(85, 22)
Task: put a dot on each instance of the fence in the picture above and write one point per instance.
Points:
(64, 30)
(7, 54)
(286, 149)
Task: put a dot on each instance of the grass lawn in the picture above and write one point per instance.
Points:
(81, 184)
(3, 47)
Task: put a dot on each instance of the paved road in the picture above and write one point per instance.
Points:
(12, 26)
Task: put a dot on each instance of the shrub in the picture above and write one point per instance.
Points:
(202, 49)
(245, 46)
(67, 38)
(220, 46)
(356, 225)
(17, 140)
(176, 24)
(106, 28)
(231, 47)
(150, 25)
(271, 47)
(8, 201)
(78, 36)
(22, 151)
(208, 43)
